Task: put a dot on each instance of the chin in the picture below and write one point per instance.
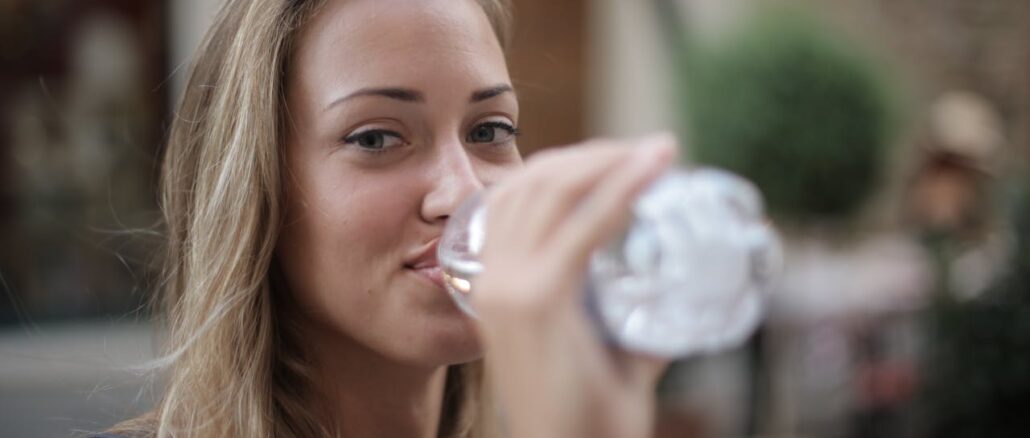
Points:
(448, 343)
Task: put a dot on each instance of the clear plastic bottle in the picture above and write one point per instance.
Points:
(688, 276)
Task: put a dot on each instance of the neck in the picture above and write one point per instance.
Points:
(367, 394)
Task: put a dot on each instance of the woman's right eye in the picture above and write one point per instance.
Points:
(374, 140)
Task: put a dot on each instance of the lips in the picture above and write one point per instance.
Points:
(423, 262)
(433, 274)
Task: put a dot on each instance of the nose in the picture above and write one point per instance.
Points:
(454, 178)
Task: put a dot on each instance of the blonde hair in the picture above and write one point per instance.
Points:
(232, 365)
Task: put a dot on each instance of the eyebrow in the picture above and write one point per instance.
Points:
(486, 93)
(410, 95)
(401, 94)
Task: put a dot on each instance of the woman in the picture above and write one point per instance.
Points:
(318, 151)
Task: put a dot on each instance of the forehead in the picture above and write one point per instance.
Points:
(398, 42)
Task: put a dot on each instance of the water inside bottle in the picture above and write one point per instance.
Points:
(686, 277)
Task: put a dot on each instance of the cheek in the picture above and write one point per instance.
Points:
(491, 173)
(354, 234)
(342, 244)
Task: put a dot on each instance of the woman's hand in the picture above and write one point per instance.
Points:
(554, 375)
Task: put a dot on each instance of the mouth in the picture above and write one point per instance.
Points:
(423, 263)
(431, 273)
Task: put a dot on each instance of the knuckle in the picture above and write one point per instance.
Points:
(512, 305)
(513, 299)
(594, 143)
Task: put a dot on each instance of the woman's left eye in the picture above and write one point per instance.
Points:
(491, 132)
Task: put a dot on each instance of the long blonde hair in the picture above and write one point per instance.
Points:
(231, 360)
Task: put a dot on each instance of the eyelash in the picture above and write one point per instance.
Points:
(512, 130)
(353, 138)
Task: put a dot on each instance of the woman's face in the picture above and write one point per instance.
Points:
(400, 110)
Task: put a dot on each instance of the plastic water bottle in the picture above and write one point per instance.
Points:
(688, 276)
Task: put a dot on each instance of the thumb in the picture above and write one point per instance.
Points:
(640, 369)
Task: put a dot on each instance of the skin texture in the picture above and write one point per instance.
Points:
(361, 206)
(383, 334)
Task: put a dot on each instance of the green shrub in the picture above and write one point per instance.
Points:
(802, 114)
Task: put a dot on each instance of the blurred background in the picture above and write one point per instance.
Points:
(890, 138)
